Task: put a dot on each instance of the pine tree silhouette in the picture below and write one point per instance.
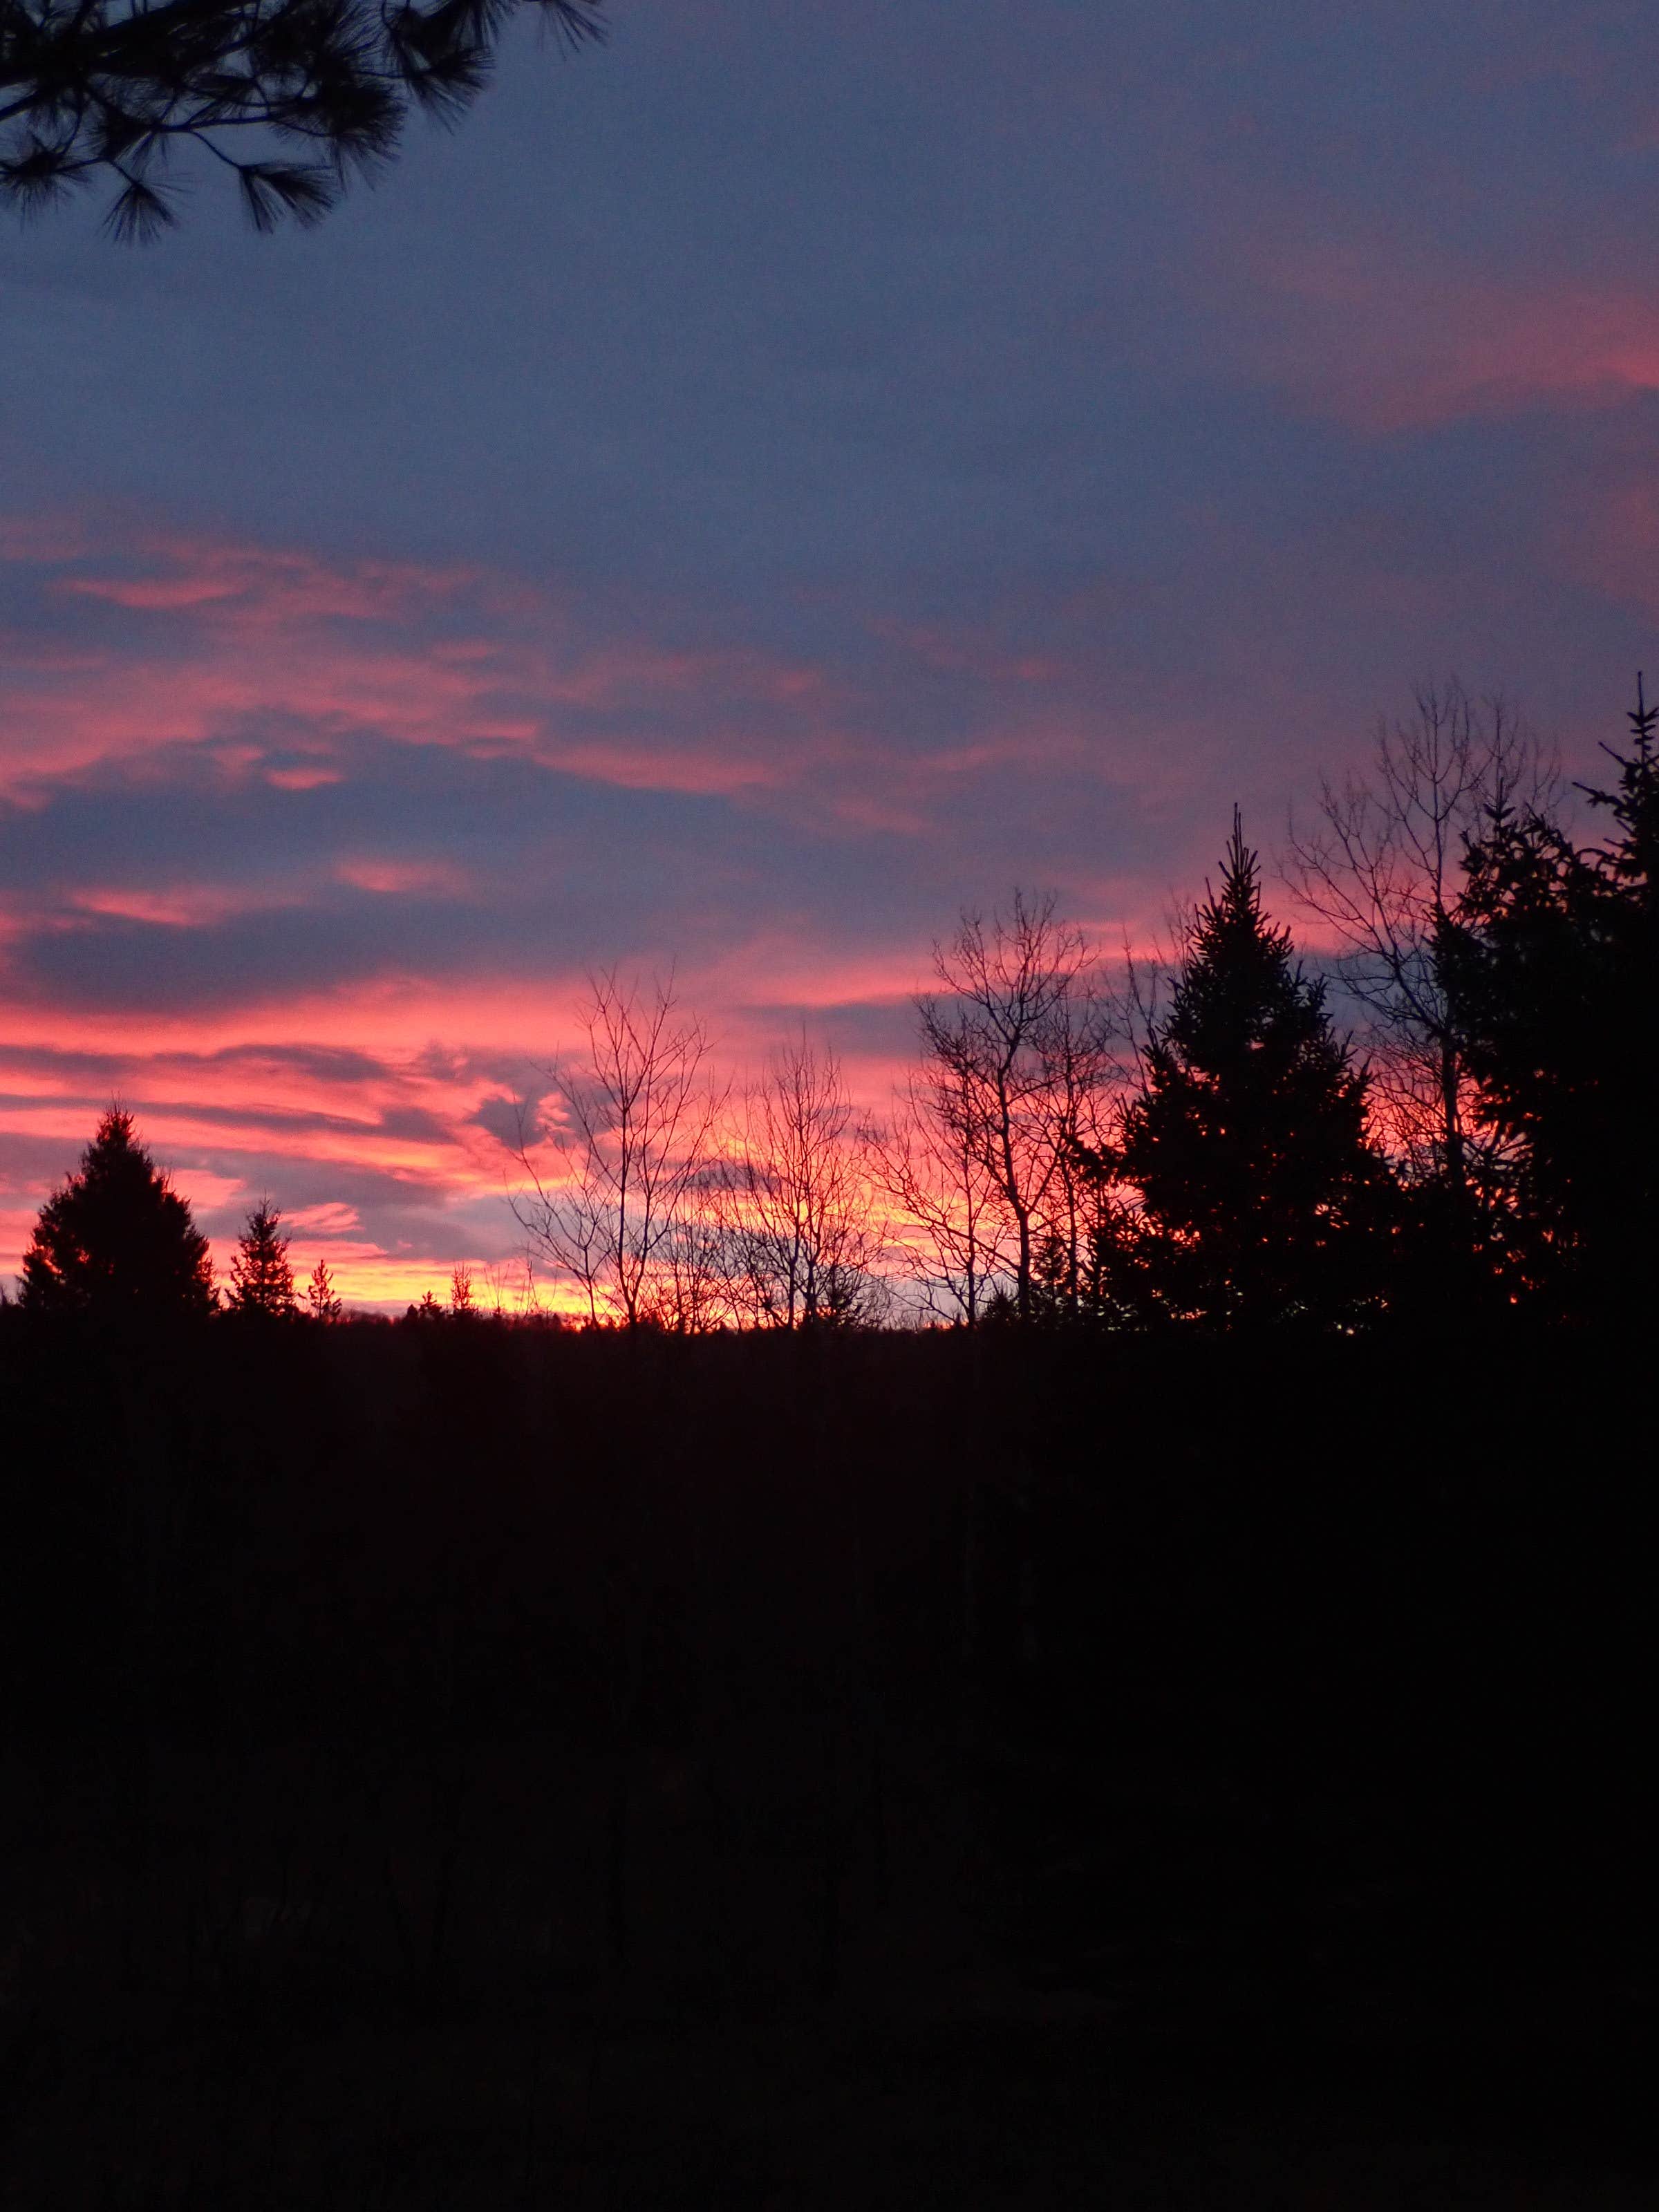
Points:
(261, 1276)
(117, 1241)
(1551, 964)
(322, 1299)
(1262, 1199)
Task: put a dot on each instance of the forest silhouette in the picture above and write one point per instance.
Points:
(769, 1746)
(1226, 1157)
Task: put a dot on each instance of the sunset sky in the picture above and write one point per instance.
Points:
(748, 492)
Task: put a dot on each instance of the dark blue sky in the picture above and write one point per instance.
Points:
(752, 489)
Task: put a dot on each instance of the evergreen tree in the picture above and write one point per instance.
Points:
(322, 1299)
(117, 1241)
(1551, 964)
(261, 1275)
(1263, 1199)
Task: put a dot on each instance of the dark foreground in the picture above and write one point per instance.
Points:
(452, 1767)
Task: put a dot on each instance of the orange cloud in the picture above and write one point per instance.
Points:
(308, 778)
(184, 907)
(330, 1220)
(268, 1098)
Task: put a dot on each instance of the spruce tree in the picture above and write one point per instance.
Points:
(322, 1299)
(1263, 1199)
(1552, 967)
(117, 1241)
(261, 1275)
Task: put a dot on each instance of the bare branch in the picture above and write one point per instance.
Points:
(798, 1205)
(611, 1188)
(1380, 868)
(1018, 1053)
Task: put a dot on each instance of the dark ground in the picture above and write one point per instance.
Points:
(451, 1767)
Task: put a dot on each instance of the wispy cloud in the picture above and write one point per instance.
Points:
(1392, 332)
(266, 659)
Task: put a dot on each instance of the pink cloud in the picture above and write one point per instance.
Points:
(268, 584)
(239, 634)
(232, 1125)
(1390, 334)
(330, 1220)
(188, 648)
(208, 1191)
(712, 774)
(186, 907)
(312, 777)
(160, 596)
(388, 875)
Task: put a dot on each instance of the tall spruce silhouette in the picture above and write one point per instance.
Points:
(1263, 1199)
(1552, 965)
(261, 1273)
(117, 1241)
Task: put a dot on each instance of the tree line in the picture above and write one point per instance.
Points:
(1196, 1142)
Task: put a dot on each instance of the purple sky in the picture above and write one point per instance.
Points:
(751, 490)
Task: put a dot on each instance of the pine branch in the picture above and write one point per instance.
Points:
(102, 89)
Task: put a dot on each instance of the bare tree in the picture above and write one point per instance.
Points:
(799, 1202)
(948, 1237)
(610, 1186)
(1018, 1043)
(692, 1291)
(1379, 871)
(512, 1286)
